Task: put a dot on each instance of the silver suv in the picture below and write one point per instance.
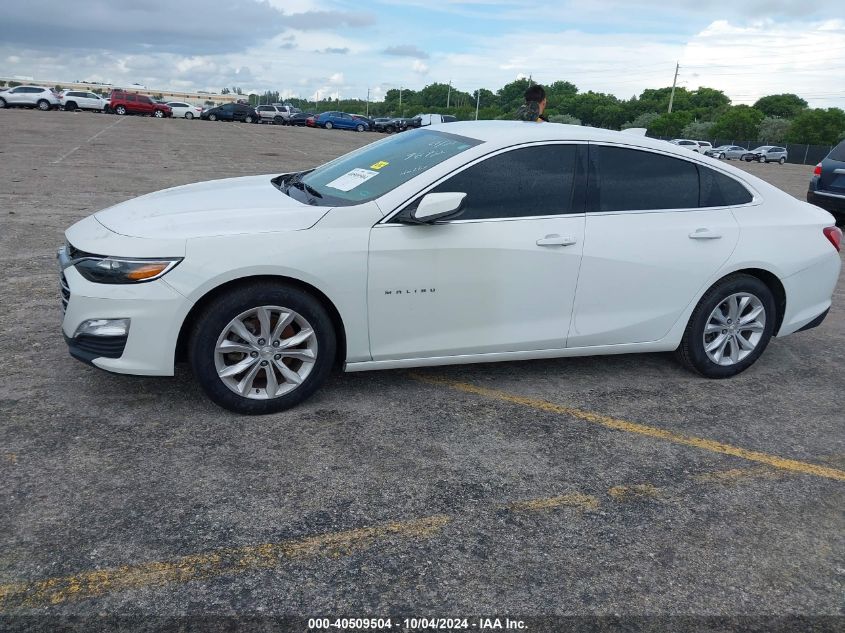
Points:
(29, 97)
(270, 114)
(767, 154)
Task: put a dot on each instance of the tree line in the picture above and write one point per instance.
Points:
(705, 113)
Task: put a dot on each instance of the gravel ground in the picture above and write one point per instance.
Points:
(536, 488)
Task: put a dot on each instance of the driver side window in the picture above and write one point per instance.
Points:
(541, 180)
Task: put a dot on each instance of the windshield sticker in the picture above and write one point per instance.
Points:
(379, 165)
(352, 179)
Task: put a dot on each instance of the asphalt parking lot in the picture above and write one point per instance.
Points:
(594, 486)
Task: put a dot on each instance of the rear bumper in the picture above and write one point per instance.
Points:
(809, 293)
(833, 202)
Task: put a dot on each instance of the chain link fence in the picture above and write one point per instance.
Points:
(798, 153)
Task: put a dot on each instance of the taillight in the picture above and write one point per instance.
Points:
(834, 234)
(818, 170)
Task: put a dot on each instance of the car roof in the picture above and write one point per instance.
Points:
(512, 132)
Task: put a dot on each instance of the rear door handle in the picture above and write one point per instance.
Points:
(556, 240)
(704, 234)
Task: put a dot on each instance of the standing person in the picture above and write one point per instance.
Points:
(535, 104)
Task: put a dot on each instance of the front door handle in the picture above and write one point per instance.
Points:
(556, 240)
(704, 234)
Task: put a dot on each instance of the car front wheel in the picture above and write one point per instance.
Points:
(120, 110)
(729, 328)
(189, 115)
(247, 119)
(262, 348)
(328, 125)
(762, 159)
(212, 117)
(158, 114)
(782, 160)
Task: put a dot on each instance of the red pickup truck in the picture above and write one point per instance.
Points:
(122, 102)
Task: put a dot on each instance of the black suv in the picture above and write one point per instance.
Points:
(231, 112)
(827, 187)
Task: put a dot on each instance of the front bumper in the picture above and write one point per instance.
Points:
(156, 312)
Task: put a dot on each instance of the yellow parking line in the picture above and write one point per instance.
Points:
(90, 584)
(641, 429)
(575, 500)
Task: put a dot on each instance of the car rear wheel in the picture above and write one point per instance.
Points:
(722, 156)
(120, 110)
(248, 119)
(43, 105)
(212, 117)
(262, 348)
(71, 106)
(782, 160)
(277, 120)
(762, 159)
(2, 103)
(359, 128)
(189, 115)
(390, 129)
(729, 328)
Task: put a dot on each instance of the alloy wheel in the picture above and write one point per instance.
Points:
(265, 352)
(734, 328)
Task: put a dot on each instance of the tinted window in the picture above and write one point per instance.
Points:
(131, 98)
(227, 107)
(523, 182)
(719, 190)
(142, 99)
(838, 152)
(629, 180)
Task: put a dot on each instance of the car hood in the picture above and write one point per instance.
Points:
(232, 206)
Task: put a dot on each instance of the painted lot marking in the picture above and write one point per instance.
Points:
(230, 561)
(616, 424)
(65, 155)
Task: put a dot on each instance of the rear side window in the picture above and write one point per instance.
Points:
(525, 182)
(130, 98)
(624, 179)
(838, 152)
(719, 190)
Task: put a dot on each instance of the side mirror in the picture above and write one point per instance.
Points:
(437, 206)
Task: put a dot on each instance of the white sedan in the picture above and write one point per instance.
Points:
(461, 243)
(182, 110)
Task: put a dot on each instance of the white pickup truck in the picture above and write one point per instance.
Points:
(422, 120)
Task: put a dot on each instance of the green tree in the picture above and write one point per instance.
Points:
(657, 100)
(774, 129)
(225, 91)
(697, 130)
(817, 127)
(58, 88)
(565, 118)
(14, 84)
(643, 120)
(785, 105)
(670, 124)
(738, 123)
(512, 95)
(708, 99)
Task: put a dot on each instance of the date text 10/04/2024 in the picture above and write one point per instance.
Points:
(416, 624)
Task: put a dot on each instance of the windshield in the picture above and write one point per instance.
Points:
(375, 169)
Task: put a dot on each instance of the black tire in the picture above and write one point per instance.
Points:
(691, 351)
(220, 313)
(248, 118)
(43, 105)
(278, 120)
(328, 125)
(390, 129)
(158, 114)
(763, 160)
(782, 160)
(71, 106)
(189, 115)
(212, 117)
(121, 110)
(2, 103)
(359, 128)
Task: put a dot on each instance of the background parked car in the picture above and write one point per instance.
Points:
(271, 114)
(727, 152)
(81, 100)
(286, 111)
(231, 112)
(300, 118)
(29, 97)
(421, 120)
(827, 186)
(767, 154)
(340, 120)
(122, 102)
(371, 124)
(704, 147)
(391, 125)
(687, 143)
(182, 110)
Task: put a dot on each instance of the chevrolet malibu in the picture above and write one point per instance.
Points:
(462, 243)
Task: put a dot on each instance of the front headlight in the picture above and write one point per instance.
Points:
(114, 270)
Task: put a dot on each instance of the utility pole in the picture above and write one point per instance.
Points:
(449, 94)
(477, 102)
(368, 101)
(401, 111)
(674, 82)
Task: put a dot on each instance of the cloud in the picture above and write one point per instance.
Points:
(419, 67)
(334, 51)
(322, 20)
(405, 50)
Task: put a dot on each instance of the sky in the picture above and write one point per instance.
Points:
(334, 48)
